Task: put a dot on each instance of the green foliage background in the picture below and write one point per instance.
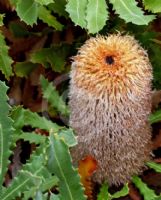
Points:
(49, 173)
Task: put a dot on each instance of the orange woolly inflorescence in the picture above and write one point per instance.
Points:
(110, 101)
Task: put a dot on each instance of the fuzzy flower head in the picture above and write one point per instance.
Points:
(110, 102)
(113, 65)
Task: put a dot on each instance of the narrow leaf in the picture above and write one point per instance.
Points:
(154, 6)
(46, 16)
(5, 59)
(32, 175)
(51, 95)
(130, 12)
(45, 196)
(44, 2)
(147, 193)
(61, 165)
(14, 2)
(18, 30)
(123, 192)
(24, 117)
(77, 11)
(97, 15)
(155, 166)
(28, 177)
(32, 137)
(68, 136)
(30, 193)
(54, 197)
(1, 19)
(54, 57)
(155, 117)
(59, 7)
(158, 197)
(39, 195)
(20, 184)
(23, 69)
(5, 133)
(103, 194)
(47, 184)
(27, 11)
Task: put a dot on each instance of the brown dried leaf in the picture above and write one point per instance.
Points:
(86, 168)
(133, 193)
(5, 5)
(156, 99)
(15, 93)
(153, 179)
(157, 141)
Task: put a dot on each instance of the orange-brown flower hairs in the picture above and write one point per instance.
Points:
(110, 101)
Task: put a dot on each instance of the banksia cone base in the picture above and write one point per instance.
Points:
(110, 101)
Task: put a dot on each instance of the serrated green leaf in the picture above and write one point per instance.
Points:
(68, 136)
(24, 117)
(32, 175)
(23, 69)
(54, 197)
(155, 58)
(1, 19)
(97, 15)
(158, 198)
(22, 182)
(46, 16)
(45, 196)
(58, 7)
(77, 11)
(27, 11)
(5, 133)
(51, 95)
(29, 176)
(103, 194)
(46, 185)
(156, 41)
(155, 117)
(39, 196)
(155, 166)
(30, 193)
(32, 137)
(130, 12)
(60, 164)
(147, 193)
(18, 30)
(154, 6)
(14, 2)
(123, 192)
(44, 2)
(43, 56)
(54, 57)
(5, 59)
(49, 183)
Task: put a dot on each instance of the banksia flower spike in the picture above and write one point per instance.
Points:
(110, 101)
